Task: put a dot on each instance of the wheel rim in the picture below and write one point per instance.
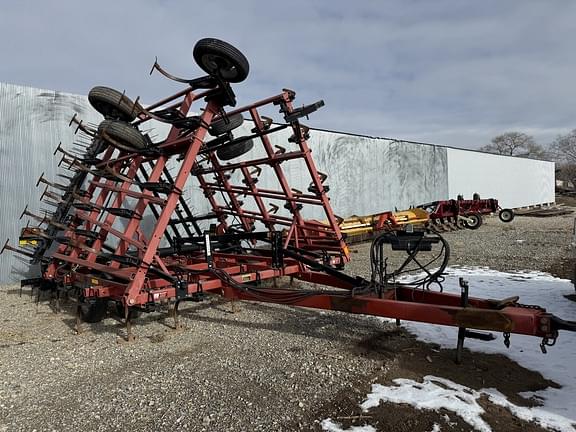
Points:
(220, 66)
(506, 216)
(473, 221)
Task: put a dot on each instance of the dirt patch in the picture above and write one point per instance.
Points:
(405, 357)
(563, 268)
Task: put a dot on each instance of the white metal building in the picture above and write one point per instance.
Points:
(366, 175)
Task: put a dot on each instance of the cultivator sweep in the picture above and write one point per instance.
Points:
(122, 229)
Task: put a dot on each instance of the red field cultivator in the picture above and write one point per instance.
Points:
(470, 212)
(96, 245)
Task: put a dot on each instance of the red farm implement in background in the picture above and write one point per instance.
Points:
(469, 211)
(96, 245)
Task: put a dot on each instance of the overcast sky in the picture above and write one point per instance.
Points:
(452, 72)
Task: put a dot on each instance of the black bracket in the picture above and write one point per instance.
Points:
(304, 111)
(277, 251)
(122, 212)
(208, 250)
(462, 330)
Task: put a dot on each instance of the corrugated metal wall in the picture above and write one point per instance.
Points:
(366, 175)
(32, 123)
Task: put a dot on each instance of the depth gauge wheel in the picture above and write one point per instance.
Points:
(223, 125)
(93, 311)
(473, 221)
(112, 104)
(506, 215)
(220, 59)
(234, 150)
(123, 133)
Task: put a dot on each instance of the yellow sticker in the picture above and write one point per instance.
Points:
(94, 281)
(246, 277)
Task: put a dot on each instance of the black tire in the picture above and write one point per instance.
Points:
(93, 311)
(224, 125)
(132, 313)
(113, 104)
(474, 221)
(123, 132)
(234, 150)
(220, 59)
(506, 215)
(98, 146)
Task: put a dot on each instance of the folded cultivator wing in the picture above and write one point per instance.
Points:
(123, 231)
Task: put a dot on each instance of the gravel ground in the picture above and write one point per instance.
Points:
(527, 243)
(263, 368)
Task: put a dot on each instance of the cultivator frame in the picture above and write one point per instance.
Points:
(139, 273)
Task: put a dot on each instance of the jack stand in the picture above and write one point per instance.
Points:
(57, 308)
(234, 306)
(177, 324)
(129, 335)
(78, 324)
(462, 330)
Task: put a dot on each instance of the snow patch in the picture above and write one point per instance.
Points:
(329, 426)
(436, 393)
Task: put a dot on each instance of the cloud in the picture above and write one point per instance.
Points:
(447, 71)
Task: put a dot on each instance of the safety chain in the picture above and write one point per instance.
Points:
(548, 341)
(507, 339)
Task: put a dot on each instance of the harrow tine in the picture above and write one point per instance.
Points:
(65, 176)
(78, 154)
(52, 203)
(135, 106)
(73, 119)
(61, 150)
(50, 195)
(22, 259)
(84, 205)
(116, 174)
(81, 145)
(24, 212)
(47, 213)
(67, 161)
(49, 183)
(15, 249)
(5, 246)
(69, 242)
(80, 127)
(57, 224)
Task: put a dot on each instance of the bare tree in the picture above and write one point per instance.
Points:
(515, 144)
(564, 148)
(564, 151)
(567, 172)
